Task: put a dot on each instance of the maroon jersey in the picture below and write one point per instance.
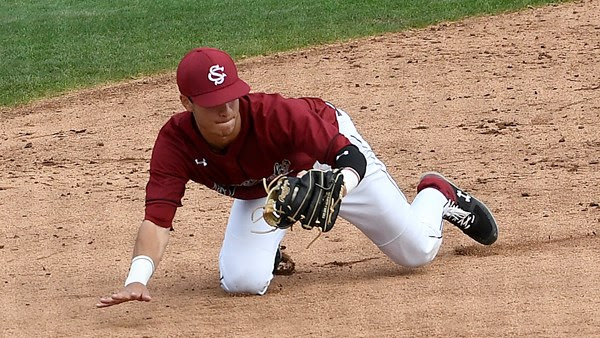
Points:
(278, 136)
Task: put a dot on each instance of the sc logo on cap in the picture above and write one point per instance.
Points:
(217, 74)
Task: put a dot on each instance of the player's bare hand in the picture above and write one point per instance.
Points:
(133, 291)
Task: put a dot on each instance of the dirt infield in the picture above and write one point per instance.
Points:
(507, 106)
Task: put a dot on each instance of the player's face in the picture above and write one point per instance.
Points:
(219, 125)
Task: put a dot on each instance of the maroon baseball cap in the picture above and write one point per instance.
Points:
(209, 77)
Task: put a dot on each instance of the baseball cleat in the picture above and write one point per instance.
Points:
(463, 210)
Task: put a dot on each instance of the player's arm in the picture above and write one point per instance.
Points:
(164, 191)
(148, 250)
(353, 164)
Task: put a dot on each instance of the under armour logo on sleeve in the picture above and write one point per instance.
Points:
(203, 162)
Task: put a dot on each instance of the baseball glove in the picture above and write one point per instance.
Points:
(313, 200)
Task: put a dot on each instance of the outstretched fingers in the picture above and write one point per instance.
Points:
(129, 293)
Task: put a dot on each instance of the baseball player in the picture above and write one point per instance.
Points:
(231, 140)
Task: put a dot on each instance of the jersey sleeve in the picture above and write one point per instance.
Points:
(166, 186)
(315, 130)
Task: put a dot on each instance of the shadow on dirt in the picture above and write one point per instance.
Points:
(522, 248)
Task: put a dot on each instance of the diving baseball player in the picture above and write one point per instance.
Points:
(307, 155)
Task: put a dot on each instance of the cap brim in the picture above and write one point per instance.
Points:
(223, 95)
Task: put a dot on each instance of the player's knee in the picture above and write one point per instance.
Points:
(245, 282)
(412, 255)
(418, 259)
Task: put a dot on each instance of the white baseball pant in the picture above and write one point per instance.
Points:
(409, 234)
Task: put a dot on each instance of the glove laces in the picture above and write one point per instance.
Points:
(268, 188)
(271, 209)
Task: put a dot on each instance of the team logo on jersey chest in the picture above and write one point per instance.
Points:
(217, 74)
(226, 190)
(282, 168)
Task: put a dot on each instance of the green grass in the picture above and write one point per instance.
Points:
(51, 46)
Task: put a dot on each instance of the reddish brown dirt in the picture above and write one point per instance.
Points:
(507, 106)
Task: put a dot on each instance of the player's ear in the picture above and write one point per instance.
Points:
(185, 101)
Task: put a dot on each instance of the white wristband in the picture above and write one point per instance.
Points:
(142, 268)
(351, 179)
